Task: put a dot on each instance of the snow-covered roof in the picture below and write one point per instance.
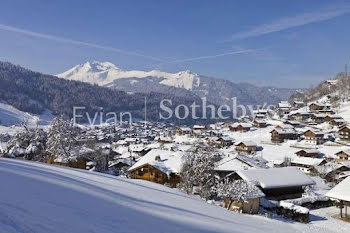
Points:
(276, 177)
(309, 151)
(247, 143)
(284, 104)
(341, 191)
(307, 161)
(168, 162)
(244, 125)
(344, 151)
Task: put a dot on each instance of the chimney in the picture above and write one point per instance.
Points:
(157, 158)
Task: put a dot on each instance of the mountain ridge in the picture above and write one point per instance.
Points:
(182, 83)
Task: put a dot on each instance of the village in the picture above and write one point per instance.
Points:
(288, 162)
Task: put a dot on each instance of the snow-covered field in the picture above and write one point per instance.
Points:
(12, 116)
(42, 198)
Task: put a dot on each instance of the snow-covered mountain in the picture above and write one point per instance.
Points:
(183, 83)
(104, 73)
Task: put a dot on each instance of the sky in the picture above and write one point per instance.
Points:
(267, 43)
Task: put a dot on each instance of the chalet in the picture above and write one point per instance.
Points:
(343, 155)
(159, 166)
(298, 104)
(318, 118)
(120, 165)
(199, 127)
(338, 122)
(279, 135)
(341, 193)
(295, 124)
(183, 130)
(240, 127)
(329, 118)
(284, 108)
(260, 114)
(311, 153)
(77, 159)
(248, 147)
(213, 141)
(314, 137)
(306, 164)
(260, 123)
(344, 133)
(250, 205)
(231, 164)
(326, 111)
(277, 183)
(225, 141)
(300, 116)
(315, 107)
(332, 171)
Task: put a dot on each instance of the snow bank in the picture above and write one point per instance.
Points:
(41, 198)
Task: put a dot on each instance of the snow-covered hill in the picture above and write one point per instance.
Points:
(103, 73)
(42, 198)
(12, 116)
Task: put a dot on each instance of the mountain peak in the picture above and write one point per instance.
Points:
(103, 73)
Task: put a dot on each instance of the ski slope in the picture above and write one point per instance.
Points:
(10, 115)
(42, 198)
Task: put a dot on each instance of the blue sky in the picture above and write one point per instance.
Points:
(279, 43)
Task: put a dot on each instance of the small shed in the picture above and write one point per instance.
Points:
(341, 193)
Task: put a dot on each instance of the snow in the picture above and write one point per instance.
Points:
(168, 162)
(10, 115)
(41, 198)
(104, 73)
(341, 191)
(276, 177)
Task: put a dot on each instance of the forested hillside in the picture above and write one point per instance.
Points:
(34, 92)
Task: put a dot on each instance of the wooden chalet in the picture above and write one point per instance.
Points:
(301, 116)
(248, 147)
(318, 118)
(307, 164)
(240, 127)
(315, 107)
(260, 123)
(277, 183)
(310, 153)
(344, 133)
(279, 135)
(298, 104)
(343, 155)
(250, 206)
(183, 130)
(314, 137)
(159, 166)
(337, 122)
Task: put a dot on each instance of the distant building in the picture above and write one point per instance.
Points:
(343, 155)
(279, 135)
(314, 137)
(277, 183)
(240, 127)
(247, 147)
(311, 153)
(344, 133)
